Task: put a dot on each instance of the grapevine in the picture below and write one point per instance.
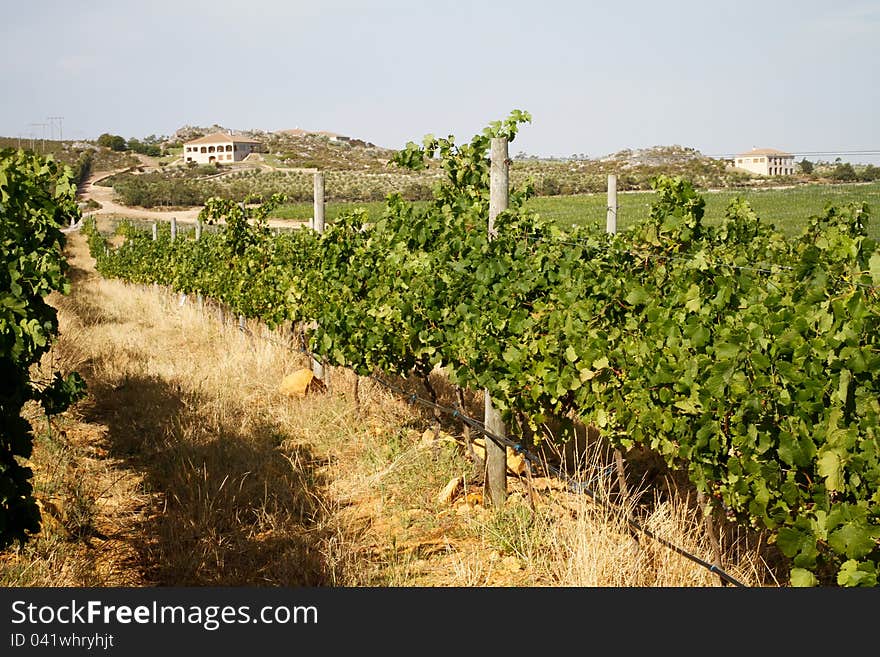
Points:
(748, 360)
(37, 197)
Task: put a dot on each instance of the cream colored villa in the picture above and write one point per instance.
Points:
(766, 161)
(220, 148)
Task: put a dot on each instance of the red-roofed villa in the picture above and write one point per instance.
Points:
(766, 161)
(219, 147)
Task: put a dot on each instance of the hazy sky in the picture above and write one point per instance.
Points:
(597, 77)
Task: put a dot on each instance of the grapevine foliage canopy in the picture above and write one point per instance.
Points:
(37, 197)
(748, 360)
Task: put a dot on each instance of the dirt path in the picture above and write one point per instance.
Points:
(166, 474)
(109, 206)
(106, 197)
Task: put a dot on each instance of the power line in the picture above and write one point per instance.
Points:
(874, 151)
(698, 153)
(42, 136)
(59, 119)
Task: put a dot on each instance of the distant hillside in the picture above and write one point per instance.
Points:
(82, 156)
(304, 148)
(657, 156)
(634, 170)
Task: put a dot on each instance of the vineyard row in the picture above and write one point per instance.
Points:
(761, 384)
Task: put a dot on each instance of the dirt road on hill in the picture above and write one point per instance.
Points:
(109, 206)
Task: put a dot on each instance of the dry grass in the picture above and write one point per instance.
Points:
(225, 484)
(594, 545)
(185, 465)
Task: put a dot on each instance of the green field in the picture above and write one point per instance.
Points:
(787, 209)
(303, 211)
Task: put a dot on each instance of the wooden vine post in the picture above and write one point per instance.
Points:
(496, 455)
(318, 225)
(611, 227)
(711, 535)
(318, 218)
(200, 300)
(611, 218)
(155, 237)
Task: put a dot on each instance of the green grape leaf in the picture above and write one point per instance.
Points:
(800, 577)
(855, 573)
